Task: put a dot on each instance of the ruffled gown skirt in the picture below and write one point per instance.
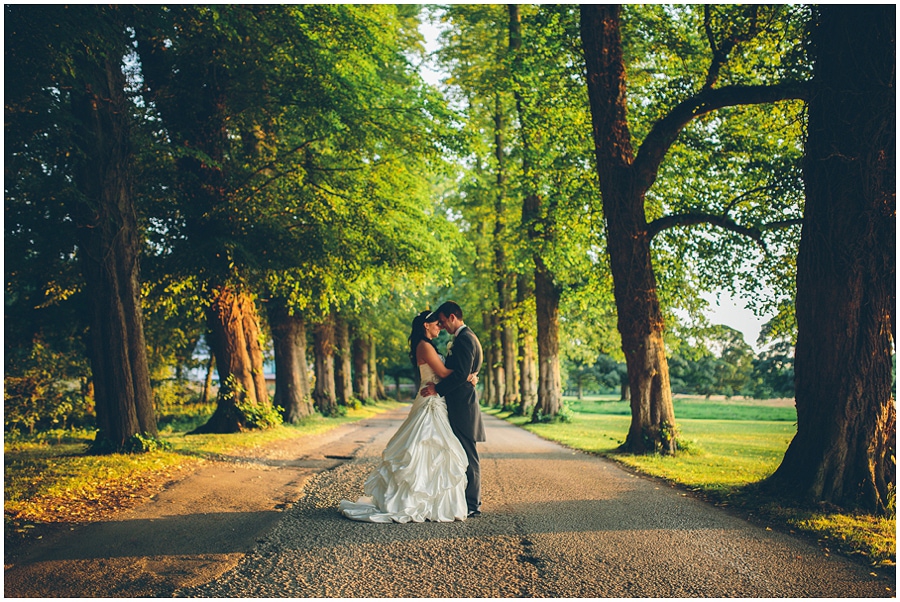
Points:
(422, 474)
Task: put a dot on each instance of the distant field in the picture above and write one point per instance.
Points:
(696, 408)
(724, 443)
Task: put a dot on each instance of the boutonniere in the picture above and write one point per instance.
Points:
(450, 347)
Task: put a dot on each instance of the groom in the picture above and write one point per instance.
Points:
(464, 357)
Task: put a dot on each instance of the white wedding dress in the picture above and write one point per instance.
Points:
(422, 475)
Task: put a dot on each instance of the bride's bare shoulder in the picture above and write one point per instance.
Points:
(425, 351)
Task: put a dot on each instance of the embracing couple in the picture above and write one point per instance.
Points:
(429, 469)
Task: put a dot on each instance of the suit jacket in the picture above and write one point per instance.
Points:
(464, 358)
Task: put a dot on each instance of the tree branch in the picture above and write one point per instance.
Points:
(693, 218)
(664, 133)
(698, 217)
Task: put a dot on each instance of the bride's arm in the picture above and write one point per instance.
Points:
(425, 353)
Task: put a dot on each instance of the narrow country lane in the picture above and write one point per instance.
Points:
(556, 523)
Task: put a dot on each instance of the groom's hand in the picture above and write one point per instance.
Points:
(428, 390)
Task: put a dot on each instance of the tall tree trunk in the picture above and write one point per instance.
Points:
(343, 377)
(844, 450)
(527, 350)
(292, 391)
(361, 367)
(628, 240)
(488, 382)
(234, 340)
(508, 394)
(511, 399)
(376, 385)
(207, 382)
(110, 246)
(549, 398)
(324, 395)
(496, 356)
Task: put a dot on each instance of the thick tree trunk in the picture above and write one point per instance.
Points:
(343, 373)
(292, 392)
(628, 240)
(324, 395)
(234, 340)
(844, 450)
(549, 397)
(110, 246)
(361, 367)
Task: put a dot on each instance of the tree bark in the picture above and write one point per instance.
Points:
(546, 296)
(207, 382)
(527, 350)
(292, 391)
(110, 247)
(488, 381)
(844, 449)
(234, 340)
(496, 356)
(640, 319)
(376, 388)
(343, 376)
(324, 395)
(361, 367)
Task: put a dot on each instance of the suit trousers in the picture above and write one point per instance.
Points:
(473, 471)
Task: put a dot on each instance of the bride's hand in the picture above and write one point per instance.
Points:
(473, 378)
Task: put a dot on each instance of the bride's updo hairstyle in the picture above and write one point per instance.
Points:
(418, 334)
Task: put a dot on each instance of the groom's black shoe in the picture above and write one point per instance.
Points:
(474, 513)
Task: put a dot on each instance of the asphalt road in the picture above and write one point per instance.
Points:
(556, 523)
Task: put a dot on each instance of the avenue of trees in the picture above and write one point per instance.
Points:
(243, 183)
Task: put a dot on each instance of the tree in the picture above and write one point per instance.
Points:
(77, 54)
(519, 66)
(844, 450)
(626, 177)
(292, 391)
(773, 372)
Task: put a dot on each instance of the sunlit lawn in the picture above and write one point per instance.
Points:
(49, 477)
(718, 452)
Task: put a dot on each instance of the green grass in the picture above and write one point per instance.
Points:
(728, 446)
(49, 478)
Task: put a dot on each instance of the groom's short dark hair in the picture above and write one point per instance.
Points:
(450, 308)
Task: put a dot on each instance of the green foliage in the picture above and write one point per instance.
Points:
(741, 163)
(564, 415)
(717, 361)
(36, 398)
(139, 443)
(260, 416)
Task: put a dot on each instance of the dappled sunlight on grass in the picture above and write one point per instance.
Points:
(49, 478)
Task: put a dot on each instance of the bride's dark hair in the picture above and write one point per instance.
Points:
(416, 336)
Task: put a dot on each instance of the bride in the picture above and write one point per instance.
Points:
(422, 475)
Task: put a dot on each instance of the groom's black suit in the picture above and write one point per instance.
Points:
(463, 411)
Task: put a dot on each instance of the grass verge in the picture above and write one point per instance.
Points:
(48, 479)
(729, 447)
